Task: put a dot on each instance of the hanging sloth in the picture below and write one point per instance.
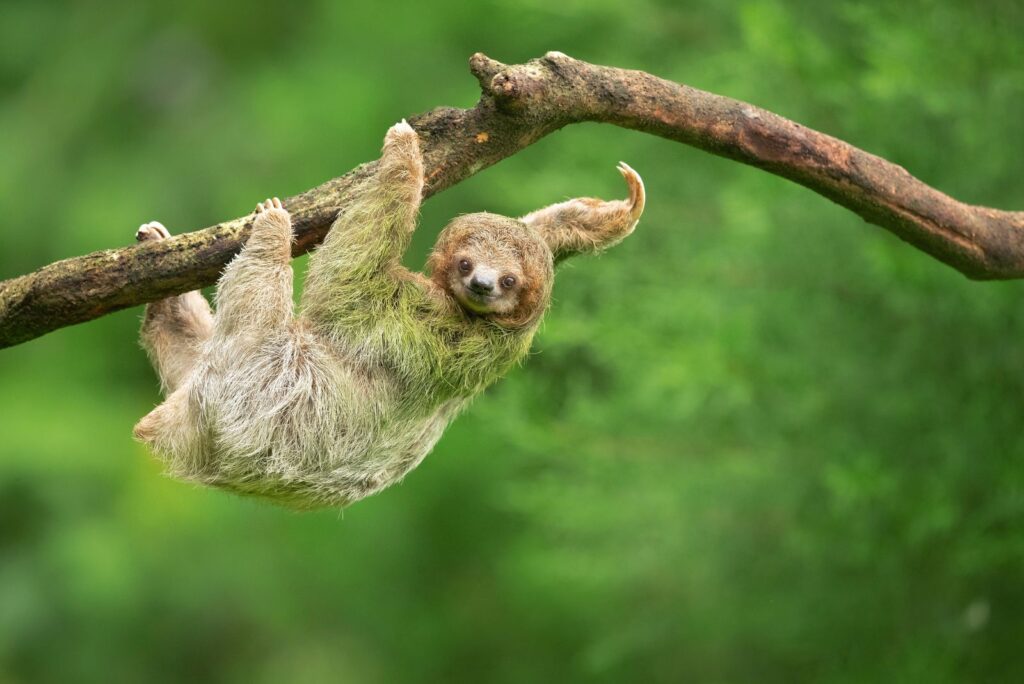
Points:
(336, 402)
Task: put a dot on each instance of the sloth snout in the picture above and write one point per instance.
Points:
(481, 284)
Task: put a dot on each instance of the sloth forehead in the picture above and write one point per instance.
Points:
(490, 228)
(492, 237)
(485, 248)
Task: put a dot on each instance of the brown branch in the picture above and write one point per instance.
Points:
(519, 105)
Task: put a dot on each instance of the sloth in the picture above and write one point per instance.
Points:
(335, 402)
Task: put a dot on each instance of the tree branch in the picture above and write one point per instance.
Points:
(519, 105)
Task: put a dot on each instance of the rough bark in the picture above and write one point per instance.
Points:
(519, 105)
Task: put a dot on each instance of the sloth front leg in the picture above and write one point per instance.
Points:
(173, 329)
(254, 295)
(364, 247)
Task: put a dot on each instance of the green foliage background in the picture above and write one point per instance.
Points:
(759, 441)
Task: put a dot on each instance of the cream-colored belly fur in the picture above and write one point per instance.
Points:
(292, 419)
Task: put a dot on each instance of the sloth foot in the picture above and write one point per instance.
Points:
(401, 129)
(154, 230)
(272, 210)
(270, 205)
(402, 148)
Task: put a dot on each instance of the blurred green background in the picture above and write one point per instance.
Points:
(758, 441)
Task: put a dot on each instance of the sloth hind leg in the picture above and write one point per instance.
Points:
(174, 328)
(254, 296)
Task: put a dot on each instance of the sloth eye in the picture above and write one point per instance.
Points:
(465, 266)
(508, 281)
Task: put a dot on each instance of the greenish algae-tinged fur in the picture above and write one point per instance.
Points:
(334, 403)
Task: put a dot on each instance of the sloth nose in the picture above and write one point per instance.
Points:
(481, 284)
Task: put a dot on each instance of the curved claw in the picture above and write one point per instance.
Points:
(637, 195)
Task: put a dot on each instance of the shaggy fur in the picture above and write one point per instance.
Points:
(331, 405)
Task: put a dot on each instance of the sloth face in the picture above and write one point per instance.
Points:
(494, 267)
(485, 285)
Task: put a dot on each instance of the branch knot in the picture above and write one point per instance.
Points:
(484, 68)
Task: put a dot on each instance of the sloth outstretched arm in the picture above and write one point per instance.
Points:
(585, 224)
(359, 264)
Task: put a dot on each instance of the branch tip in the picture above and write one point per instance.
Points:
(484, 68)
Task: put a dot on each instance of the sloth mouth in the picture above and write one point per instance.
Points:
(476, 301)
(480, 296)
